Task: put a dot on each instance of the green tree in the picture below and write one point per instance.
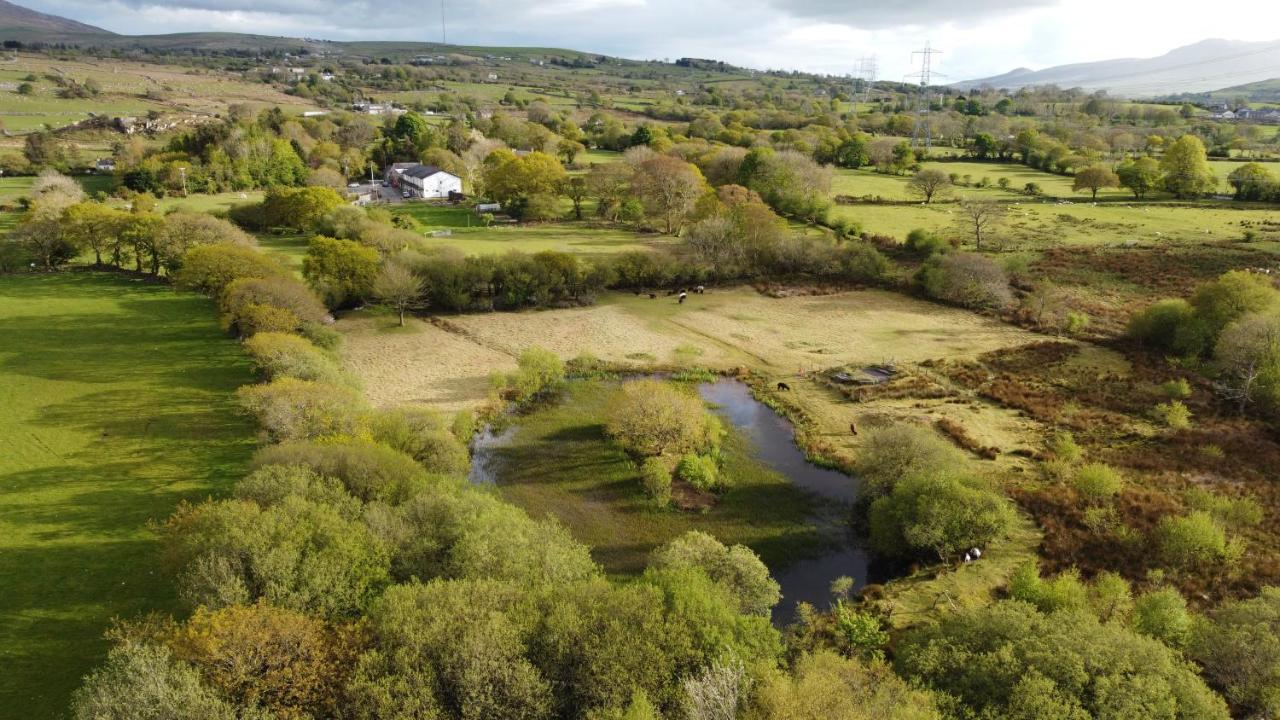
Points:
(650, 418)
(1139, 176)
(1252, 181)
(397, 287)
(1094, 179)
(929, 183)
(145, 682)
(939, 513)
(342, 271)
(737, 569)
(1239, 649)
(1186, 170)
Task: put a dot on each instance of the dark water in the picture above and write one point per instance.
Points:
(774, 439)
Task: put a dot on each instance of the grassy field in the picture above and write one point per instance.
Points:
(471, 238)
(561, 463)
(118, 405)
(12, 188)
(125, 85)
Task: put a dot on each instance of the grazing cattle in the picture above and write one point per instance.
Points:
(683, 295)
(700, 289)
(968, 558)
(853, 428)
(783, 386)
(976, 553)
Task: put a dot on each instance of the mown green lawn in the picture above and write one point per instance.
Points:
(560, 463)
(117, 405)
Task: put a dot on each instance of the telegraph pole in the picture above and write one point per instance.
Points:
(924, 102)
(444, 25)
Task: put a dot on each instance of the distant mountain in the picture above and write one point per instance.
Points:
(1204, 66)
(20, 23)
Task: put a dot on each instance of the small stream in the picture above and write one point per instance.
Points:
(773, 438)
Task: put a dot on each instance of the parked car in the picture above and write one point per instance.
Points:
(354, 185)
(405, 194)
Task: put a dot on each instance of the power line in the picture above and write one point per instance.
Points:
(924, 102)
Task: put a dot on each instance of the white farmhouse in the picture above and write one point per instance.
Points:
(428, 181)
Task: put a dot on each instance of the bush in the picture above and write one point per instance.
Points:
(537, 371)
(1059, 665)
(1194, 540)
(422, 435)
(650, 418)
(1178, 389)
(891, 453)
(827, 686)
(656, 480)
(966, 279)
(939, 513)
(1063, 446)
(700, 471)
(284, 293)
(923, 243)
(1233, 512)
(276, 354)
(1162, 614)
(1174, 414)
(208, 269)
(1075, 323)
(145, 682)
(1063, 592)
(292, 409)
(368, 471)
(1097, 482)
(736, 569)
(252, 319)
(1168, 325)
(1239, 649)
(342, 271)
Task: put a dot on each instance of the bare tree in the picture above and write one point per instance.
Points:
(981, 218)
(929, 183)
(1247, 348)
(397, 287)
(718, 693)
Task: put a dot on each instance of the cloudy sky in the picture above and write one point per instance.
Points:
(978, 37)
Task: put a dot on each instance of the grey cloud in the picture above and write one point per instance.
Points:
(875, 15)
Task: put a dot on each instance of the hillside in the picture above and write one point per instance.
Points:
(18, 23)
(1201, 67)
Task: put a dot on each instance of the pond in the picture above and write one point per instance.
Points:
(773, 436)
(772, 442)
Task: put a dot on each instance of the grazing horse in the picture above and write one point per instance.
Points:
(653, 296)
(853, 428)
(700, 289)
(783, 386)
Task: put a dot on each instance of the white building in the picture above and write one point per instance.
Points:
(428, 181)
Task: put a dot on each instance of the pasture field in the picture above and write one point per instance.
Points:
(13, 188)
(125, 86)
(448, 364)
(469, 237)
(1035, 224)
(118, 406)
(597, 495)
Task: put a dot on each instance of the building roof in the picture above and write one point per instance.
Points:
(423, 172)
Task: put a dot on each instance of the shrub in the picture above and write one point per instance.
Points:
(253, 318)
(292, 409)
(656, 480)
(1174, 414)
(890, 453)
(537, 371)
(284, 293)
(210, 268)
(966, 279)
(342, 271)
(700, 471)
(861, 632)
(924, 243)
(1194, 540)
(324, 337)
(1063, 446)
(1178, 389)
(1075, 323)
(297, 554)
(827, 686)
(145, 682)
(422, 435)
(650, 418)
(1239, 649)
(1097, 482)
(1233, 512)
(1063, 592)
(1162, 614)
(940, 513)
(1168, 325)
(270, 484)
(368, 471)
(736, 569)
(276, 354)
(1059, 665)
